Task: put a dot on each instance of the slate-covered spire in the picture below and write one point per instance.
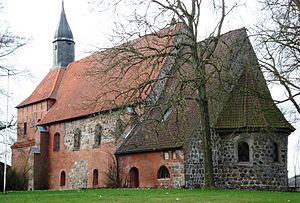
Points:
(63, 44)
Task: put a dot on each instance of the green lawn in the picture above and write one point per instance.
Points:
(149, 195)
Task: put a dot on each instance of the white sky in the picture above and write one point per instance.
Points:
(37, 21)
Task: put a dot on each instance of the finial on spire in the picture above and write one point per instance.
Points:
(63, 30)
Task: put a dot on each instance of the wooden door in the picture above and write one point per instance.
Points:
(134, 177)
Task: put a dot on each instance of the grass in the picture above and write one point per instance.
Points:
(149, 195)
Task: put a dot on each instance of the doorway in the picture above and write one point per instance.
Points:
(134, 177)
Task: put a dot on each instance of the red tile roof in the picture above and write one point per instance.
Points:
(47, 89)
(111, 78)
(27, 143)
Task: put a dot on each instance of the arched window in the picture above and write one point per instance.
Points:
(243, 152)
(95, 177)
(275, 154)
(62, 178)
(98, 135)
(56, 142)
(163, 172)
(77, 139)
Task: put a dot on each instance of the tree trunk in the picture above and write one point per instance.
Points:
(206, 137)
(204, 123)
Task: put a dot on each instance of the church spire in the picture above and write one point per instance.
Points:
(63, 44)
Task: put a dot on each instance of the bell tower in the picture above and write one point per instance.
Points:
(63, 44)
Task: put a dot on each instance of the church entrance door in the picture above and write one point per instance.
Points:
(134, 177)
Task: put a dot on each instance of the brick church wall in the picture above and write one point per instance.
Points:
(30, 115)
(23, 160)
(79, 164)
(148, 164)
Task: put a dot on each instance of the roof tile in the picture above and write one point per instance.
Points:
(111, 78)
(47, 89)
(250, 105)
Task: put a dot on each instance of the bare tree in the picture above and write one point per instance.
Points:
(9, 44)
(144, 19)
(279, 45)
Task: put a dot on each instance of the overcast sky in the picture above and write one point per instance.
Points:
(38, 19)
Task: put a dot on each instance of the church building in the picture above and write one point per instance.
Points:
(128, 116)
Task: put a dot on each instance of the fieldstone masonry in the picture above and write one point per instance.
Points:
(78, 176)
(87, 126)
(261, 172)
(30, 168)
(177, 171)
(193, 164)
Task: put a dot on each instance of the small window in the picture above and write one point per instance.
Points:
(56, 142)
(77, 139)
(98, 135)
(131, 110)
(62, 178)
(95, 177)
(163, 172)
(243, 152)
(25, 128)
(174, 154)
(275, 154)
(166, 155)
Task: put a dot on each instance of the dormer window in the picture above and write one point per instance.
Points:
(131, 110)
(166, 114)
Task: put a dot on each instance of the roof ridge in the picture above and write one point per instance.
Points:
(53, 88)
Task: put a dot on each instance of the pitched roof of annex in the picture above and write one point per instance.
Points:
(250, 105)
